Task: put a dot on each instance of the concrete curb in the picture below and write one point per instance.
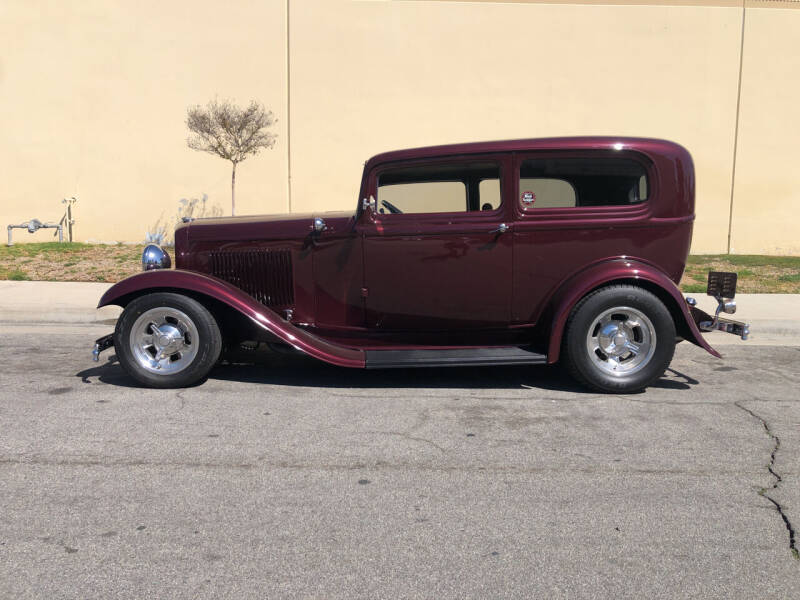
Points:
(54, 302)
(774, 318)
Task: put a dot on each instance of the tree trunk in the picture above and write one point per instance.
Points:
(233, 191)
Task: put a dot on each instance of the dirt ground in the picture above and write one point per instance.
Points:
(70, 262)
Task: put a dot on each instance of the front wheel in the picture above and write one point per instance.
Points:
(167, 340)
(619, 339)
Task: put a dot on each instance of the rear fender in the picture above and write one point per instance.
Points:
(176, 280)
(621, 271)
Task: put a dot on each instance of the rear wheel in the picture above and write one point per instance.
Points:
(167, 340)
(619, 339)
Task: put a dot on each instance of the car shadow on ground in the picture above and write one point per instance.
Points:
(302, 371)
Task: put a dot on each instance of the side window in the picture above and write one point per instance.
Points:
(540, 192)
(489, 190)
(439, 188)
(422, 197)
(569, 182)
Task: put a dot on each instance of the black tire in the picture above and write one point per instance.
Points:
(198, 341)
(601, 328)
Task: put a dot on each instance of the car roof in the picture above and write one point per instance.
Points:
(647, 146)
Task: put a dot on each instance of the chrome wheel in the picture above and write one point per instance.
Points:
(621, 341)
(164, 340)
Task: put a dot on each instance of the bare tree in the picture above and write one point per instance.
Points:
(230, 132)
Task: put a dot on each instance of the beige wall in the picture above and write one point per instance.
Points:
(93, 99)
(766, 208)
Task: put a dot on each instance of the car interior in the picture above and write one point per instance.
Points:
(568, 182)
(438, 188)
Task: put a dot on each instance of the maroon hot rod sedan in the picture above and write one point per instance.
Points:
(518, 252)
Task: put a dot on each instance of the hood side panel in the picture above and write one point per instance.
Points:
(268, 257)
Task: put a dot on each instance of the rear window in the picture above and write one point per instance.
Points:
(575, 182)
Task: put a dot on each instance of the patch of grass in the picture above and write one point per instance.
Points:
(53, 261)
(17, 275)
(36, 248)
(747, 260)
(757, 274)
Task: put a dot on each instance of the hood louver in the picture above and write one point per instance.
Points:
(264, 274)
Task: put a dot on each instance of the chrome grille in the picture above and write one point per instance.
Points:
(264, 274)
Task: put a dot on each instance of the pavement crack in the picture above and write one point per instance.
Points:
(778, 479)
(669, 402)
(408, 437)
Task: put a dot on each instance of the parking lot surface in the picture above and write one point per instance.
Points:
(291, 478)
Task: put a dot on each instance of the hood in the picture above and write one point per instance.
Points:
(292, 226)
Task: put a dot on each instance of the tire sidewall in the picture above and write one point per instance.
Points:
(580, 362)
(208, 331)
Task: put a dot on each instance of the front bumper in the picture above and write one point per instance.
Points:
(101, 344)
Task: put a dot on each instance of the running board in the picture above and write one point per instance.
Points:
(454, 357)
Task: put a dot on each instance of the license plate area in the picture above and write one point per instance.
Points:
(721, 284)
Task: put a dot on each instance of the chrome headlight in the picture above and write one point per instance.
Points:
(154, 257)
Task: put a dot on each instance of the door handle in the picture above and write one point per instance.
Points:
(502, 228)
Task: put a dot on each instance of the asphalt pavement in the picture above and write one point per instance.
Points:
(289, 478)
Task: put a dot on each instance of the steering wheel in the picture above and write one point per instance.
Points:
(392, 208)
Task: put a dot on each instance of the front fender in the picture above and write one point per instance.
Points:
(621, 271)
(176, 280)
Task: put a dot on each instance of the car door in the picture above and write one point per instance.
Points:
(437, 247)
(575, 209)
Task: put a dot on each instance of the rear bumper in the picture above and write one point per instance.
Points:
(722, 287)
(705, 323)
